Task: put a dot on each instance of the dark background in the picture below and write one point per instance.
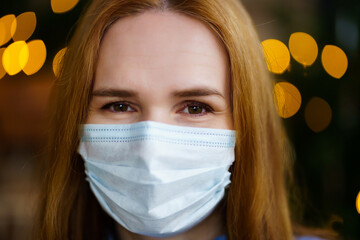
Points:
(327, 163)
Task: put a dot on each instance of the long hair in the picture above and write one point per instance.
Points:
(256, 205)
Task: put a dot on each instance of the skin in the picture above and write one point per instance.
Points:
(164, 67)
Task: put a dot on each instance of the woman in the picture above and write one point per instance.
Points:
(159, 91)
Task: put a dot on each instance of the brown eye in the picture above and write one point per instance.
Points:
(120, 107)
(195, 109)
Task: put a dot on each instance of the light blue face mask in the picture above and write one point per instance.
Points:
(157, 179)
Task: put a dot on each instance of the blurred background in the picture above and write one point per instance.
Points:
(312, 49)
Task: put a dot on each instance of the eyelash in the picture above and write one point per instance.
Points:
(186, 104)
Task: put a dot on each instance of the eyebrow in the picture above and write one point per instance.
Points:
(193, 92)
(197, 92)
(114, 93)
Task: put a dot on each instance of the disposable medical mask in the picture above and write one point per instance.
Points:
(157, 179)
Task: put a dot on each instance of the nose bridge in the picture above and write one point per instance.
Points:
(157, 111)
(156, 102)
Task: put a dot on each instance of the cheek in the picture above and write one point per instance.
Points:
(94, 116)
(91, 115)
(230, 121)
(226, 121)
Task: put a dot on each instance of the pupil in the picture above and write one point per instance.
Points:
(120, 107)
(195, 110)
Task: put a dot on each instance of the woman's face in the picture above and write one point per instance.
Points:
(163, 67)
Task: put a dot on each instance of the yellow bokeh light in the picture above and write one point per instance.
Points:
(15, 57)
(318, 114)
(358, 203)
(25, 26)
(2, 33)
(61, 6)
(2, 70)
(13, 27)
(277, 55)
(334, 61)
(303, 48)
(57, 61)
(37, 57)
(5, 28)
(287, 99)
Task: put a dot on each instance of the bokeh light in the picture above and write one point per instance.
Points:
(318, 114)
(358, 203)
(277, 55)
(5, 28)
(2, 33)
(57, 61)
(61, 6)
(287, 99)
(303, 48)
(334, 61)
(2, 70)
(25, 26)
(37, 57)
(15, 57)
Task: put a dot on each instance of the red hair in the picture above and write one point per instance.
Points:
(256, 205)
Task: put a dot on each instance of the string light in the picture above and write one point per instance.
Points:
(318, 114)
(358, 203)
(15, 57)
(62, 6)
(334, 61)
(2, 70)
(6, 25)
(57, 61)
(37, 57)
(303, 48)
(25, 26)
(277, 55)
(287, 99)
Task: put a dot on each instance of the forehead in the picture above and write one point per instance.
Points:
(160, 48)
